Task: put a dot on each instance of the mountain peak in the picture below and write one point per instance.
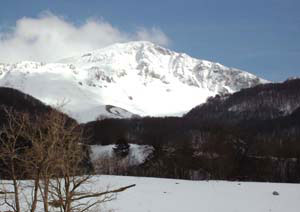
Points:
(128, 48)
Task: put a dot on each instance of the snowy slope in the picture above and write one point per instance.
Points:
(170, 195)
(136, 77)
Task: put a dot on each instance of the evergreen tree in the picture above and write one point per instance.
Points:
(121, 148)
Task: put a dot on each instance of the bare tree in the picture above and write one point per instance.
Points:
(50, 151)
(11, 148)
(69, 189)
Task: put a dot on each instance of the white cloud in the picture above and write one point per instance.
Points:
(154, 34)
(50, 37)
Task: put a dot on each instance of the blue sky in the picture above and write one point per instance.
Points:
(259, 36)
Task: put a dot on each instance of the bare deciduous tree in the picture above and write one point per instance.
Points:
(49, 150)
(11, 147)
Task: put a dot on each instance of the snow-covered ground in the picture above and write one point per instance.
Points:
(170, 195)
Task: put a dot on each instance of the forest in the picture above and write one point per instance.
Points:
(251, 135)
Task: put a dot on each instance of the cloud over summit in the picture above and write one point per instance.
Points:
(50, 37)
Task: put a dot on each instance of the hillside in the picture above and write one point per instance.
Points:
(21, 102)
(268, 101)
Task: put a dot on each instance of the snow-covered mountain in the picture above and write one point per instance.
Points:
(125, 79)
